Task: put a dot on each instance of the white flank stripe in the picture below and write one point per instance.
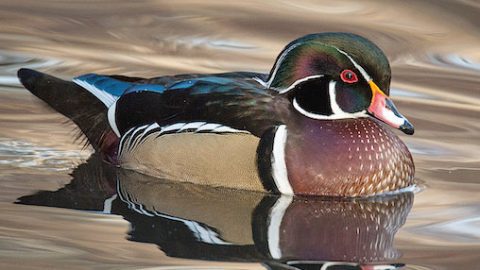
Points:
(133, 138)
(103, 96)
(276, 217)
(176, 126)
(193, 125)
(111, 118)
(228, 129)
(208, 127)
(140, 136)
(279, 167)
(152, 126)
(122, 141)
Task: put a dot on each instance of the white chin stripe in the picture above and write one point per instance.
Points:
(327, 117)
(279, 167)
(338, 113)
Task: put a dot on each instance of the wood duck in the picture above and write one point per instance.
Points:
(315, 125)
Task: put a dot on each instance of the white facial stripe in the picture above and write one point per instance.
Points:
(338, 113)
(360, 68)
(278, 63)
(281, 91)
(282, 57)
(260, 81)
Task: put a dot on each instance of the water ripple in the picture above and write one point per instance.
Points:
(455, 60)
(23, 154)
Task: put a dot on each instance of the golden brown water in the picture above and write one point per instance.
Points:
(433, 49)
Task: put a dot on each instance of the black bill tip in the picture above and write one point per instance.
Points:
(407, 128)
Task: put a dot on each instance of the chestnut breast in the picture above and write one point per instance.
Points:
(348, 157)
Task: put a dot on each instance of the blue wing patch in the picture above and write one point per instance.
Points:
(200, 85)
(107, 89)
(146, 87)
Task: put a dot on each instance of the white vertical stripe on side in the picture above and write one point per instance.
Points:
(276, 217)
(279, 167)
(111, 118)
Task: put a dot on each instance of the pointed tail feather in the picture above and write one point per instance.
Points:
(73, 101)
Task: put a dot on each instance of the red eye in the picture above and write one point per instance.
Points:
(349, 76)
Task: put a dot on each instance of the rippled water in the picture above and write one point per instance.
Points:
(129, 221)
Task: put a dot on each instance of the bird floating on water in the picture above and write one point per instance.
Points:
(315, 125)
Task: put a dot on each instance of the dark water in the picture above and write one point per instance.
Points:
(102, 218)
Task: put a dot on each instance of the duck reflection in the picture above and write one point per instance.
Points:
(197, 222)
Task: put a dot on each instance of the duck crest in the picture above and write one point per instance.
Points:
(322, 54)
(303, 61)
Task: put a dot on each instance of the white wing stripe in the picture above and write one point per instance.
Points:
(208, 127)
(111, 118)
(103, 96)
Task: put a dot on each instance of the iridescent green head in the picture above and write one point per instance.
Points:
(334, 76)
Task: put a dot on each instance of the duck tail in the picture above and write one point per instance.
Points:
(86, 110)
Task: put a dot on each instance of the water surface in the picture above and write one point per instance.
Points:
(92, 216)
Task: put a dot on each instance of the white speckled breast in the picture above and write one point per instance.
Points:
(351, 157)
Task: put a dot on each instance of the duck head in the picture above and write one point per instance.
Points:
(337, 76)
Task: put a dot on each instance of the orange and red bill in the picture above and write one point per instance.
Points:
(382, 108)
